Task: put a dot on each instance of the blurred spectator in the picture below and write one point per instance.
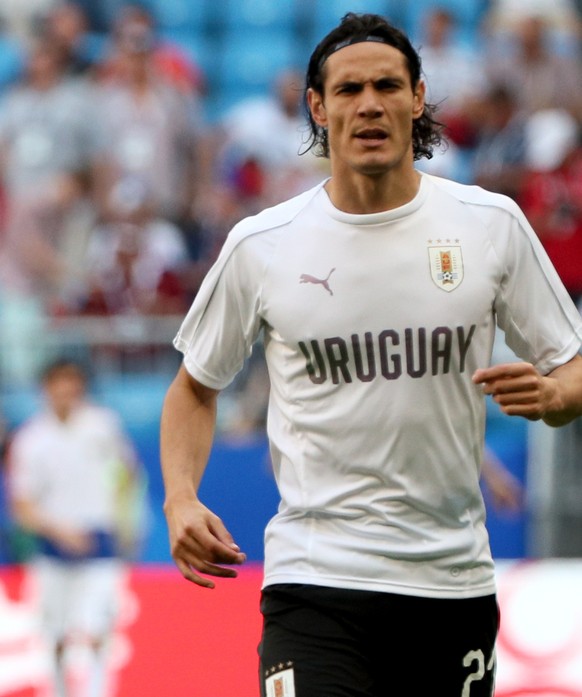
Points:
(169, 60)
(73, 478)
(22, 18)
(47, 136)
(44, 238)
(135, 263)
(455, 82)
(453, 71)
(150, 129)
(44, 242)
(262, 140)
(499, 157)
(552, 192)
(68, 26)
(47, 124)
(560, 14)
(538, 75)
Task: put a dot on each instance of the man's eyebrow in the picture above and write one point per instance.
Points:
(389, 80)
(379, 81)
(348, 83)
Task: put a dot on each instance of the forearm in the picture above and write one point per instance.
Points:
(28, 516)
(187, 430)
(25, 514)
(566, 403)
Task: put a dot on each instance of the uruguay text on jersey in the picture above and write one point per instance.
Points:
(389, 354)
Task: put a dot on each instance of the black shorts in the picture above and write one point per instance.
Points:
(329, 642)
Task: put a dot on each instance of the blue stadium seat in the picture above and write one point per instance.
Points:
(11, 62)
(254, 58)
(178, 14)
(328, 13)
(243, 14)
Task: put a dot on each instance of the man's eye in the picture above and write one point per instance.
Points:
(387, 85)
(348, 89)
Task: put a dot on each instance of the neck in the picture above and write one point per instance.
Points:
(63, 415)
(369, 194)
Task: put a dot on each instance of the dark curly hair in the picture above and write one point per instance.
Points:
(426, 130)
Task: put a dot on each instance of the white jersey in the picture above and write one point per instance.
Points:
(70, 470)
(374, 325)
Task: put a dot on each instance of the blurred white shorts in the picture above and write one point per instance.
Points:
(78, 600)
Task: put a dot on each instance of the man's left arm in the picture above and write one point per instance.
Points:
(521, 390)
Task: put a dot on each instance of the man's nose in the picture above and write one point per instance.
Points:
(370, 103)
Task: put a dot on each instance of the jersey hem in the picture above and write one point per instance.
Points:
(382, 586)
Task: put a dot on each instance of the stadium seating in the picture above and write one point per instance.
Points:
(251, 59)
(327, 14)
(249, 14)
(177, 14)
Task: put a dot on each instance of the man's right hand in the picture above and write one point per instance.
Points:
(199, 542)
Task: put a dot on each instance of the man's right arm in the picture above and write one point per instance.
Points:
(199, 541)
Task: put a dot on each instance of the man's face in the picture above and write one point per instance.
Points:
(368, 107)
(64, 392)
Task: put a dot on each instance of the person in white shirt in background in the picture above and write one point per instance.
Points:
(75, 485)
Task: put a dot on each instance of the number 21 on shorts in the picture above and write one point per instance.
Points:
(476, 661)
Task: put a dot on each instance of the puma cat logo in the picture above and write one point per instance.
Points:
(307, 278)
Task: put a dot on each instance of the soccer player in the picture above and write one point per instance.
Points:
(378, 292)
(71, 468)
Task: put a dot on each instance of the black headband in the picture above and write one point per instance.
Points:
(349, 42)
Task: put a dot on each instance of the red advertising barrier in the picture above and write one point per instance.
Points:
(179, 640)
(173, 638)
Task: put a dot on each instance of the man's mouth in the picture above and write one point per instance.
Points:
(372, 134)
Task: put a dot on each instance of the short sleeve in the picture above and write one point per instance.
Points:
(224, 321)
(541, 323)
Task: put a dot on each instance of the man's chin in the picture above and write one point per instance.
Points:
(375, 168)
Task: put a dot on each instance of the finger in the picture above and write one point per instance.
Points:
(204, 544)
(221, 533)
(218, 551)
(202, 558)
(503, 370)
(216, 570)
(531, 412)
(516, 398)
(193, 577)
(526, 382)
(188, 570)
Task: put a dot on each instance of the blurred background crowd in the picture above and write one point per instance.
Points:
(133, 135)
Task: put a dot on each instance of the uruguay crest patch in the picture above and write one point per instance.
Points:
(281, 684)
(446, 266)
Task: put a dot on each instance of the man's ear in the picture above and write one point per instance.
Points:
(419, 97)
(317, 107)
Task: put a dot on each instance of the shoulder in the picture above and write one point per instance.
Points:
(31, 432)
(475, 196)
(277, 215)
(270, 219)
